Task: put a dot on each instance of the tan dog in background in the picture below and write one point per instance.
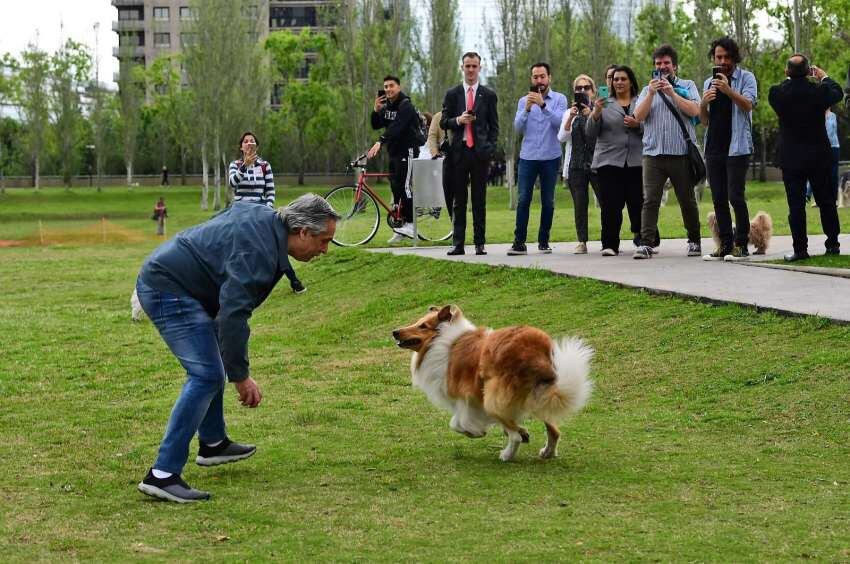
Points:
(761, 230)
(485, 377)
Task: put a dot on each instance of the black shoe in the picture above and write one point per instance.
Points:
(795, 256)
(518, 249)
(479, 250)
(833, 251)
(172, 488)
(456, 251)
(224, 452)
(298, 287)
(544, 248)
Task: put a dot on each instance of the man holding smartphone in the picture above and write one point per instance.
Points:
(804, 152)
(538, 119)
(665, 150)
(394, 111)
(470, 113)
(729, 96)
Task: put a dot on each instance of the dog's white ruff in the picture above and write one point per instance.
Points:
(431, 376)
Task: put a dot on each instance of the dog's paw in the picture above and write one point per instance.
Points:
(547, 453)
(507, 454)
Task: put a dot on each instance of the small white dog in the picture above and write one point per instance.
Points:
(761, 230)
(844, 190)
(136, 311)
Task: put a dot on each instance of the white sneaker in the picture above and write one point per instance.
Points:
(396, 238)
(406, 230)
(609, 252)
(581, 249)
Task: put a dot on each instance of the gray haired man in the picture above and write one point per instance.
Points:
(199, 290)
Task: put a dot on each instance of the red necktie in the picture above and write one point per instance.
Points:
(469, 103)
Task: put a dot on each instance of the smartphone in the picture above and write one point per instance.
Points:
(715, 71)
(603, 92)
(381, 93)
(657, 74)
(581, 99)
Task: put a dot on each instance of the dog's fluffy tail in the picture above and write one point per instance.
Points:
(571, 360)
(136, 311)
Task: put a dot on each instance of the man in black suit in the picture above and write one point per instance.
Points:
(469, 110)
(804, 151)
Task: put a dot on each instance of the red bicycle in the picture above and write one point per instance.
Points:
(361, 216)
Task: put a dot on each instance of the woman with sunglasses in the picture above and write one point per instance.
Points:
(579, 154)
(617, 157)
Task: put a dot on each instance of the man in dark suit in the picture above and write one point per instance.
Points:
(804, 153)
(469, 111)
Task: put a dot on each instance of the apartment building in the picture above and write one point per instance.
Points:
(149, 28)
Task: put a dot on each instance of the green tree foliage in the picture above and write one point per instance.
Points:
(32, 93)
(69, 70)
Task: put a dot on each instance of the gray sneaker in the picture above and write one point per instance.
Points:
(518, 249)
(172, 488)
(643, 252)
(224, 452)
(694, 249)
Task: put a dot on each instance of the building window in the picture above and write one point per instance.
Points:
(162, 40)
(292, 17)
(131, 14)
(187, 13)
(188, 39)
(133, 39)
(160, 14)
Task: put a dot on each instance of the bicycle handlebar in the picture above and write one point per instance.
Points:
(358, 162)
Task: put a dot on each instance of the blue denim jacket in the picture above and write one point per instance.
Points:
(744, 83)
(230, 264)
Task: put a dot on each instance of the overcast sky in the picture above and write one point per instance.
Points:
(49, 22)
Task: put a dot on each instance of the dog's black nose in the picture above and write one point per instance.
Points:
(395, 334)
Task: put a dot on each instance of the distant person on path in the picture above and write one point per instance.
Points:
(538, 119)
(665, 151)
(199, 289)
(160, 212)
(394, 112)
(251, 177)
(727, 112)
(164, 181)
(804, 153)
(580, 156)
(617, 158)
(835, 145)
(470, 113)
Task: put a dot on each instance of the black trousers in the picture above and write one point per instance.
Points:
(619, 186)
(399, 182)
(578, 181)
(448, 188)
(727, 177)
(469, 169)
(795, 192)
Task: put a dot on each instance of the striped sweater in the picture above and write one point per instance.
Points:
(252, 184)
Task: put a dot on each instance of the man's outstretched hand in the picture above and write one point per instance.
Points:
(249, 392)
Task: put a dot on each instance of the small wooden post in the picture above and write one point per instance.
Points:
(103, 228)
(41, 232)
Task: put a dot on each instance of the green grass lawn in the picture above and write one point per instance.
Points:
(714, 433)
(66, 213)
(826, 261)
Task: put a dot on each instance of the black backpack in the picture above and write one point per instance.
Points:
(418, 127)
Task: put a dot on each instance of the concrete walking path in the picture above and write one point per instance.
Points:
(672, 272)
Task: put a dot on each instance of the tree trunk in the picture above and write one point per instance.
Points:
(217, 193)
(205, 187)
(37, 178)
(182, 167)
(129, 165)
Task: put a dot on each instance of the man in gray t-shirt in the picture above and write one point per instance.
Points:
(665, 151)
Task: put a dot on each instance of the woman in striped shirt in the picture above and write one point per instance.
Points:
(251, 177)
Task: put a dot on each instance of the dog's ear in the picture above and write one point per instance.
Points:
(445, 314)
(433, 308)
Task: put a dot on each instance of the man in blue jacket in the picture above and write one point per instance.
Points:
(200, 289)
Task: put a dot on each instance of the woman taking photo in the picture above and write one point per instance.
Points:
(579, 154)
(617, 157)
(251, 177)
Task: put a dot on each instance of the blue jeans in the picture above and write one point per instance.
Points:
(528, 173)
(190, 333)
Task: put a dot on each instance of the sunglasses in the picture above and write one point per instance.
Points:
(583, 88)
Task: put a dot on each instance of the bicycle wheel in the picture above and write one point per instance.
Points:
(433, 224)
(360, 216)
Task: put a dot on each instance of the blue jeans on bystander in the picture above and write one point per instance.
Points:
(528, 171)
(190, 333)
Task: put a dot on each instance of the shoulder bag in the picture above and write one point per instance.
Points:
(696, 164)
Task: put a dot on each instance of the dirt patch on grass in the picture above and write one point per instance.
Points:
(98, 233)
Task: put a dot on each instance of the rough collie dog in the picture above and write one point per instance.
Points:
(761, 230)
(486, 377)
(844, 190)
